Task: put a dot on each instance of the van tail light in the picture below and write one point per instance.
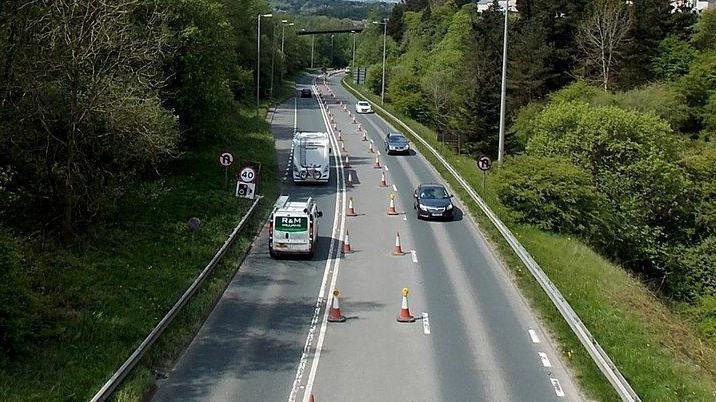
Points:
(310, 231)
(271, 229)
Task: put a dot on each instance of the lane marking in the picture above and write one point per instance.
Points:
(340, 190)
(533, 336)
(338, 225)
(405, 217)
(295, 116)
(395, 188)
(414, 255)
(426, 324)
(545, 359)
(557, 388)
(386, 168)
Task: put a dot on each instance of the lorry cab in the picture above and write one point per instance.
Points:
(293, 227)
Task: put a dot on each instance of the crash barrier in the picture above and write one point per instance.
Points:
(134, 358)
(599, 356)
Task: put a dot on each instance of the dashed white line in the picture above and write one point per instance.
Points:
(545, 359)
(395, 188)
(557, 388)
(414, 255)
(426, 324)
(533, 336)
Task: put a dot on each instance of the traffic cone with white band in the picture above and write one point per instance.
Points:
(383, 182)
(334, 315)
(349, 183)
(350, 211)
(347, 163)
(360, 128)
(370, 148)
(311, 399)
(340, 135)
(376, 165)
(365, 138)
(392, 211)
(347, 244)
(397, 250)
(405, 315)
(343, 146)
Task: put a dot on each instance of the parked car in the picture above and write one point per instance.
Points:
(433, 201)
(363, 107)
(396, 143)
(306, 93)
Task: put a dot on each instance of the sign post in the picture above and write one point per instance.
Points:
(193, 226)
(484, 163)
(226, 159)
(248, 178)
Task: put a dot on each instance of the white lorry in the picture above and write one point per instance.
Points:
(311, 157)
(293, 228)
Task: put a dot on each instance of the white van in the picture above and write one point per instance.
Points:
(293, 228)
(311, 157)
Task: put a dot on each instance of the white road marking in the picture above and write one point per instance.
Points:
(557, 388)
(545, 359)
(395, 188)
(295, 116)
(533, 336)
(426, 324)
(414, 255)
(405, 217)
(338, 226)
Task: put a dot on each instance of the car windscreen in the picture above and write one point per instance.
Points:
(363, 104)
(433, 193)
(397, 139)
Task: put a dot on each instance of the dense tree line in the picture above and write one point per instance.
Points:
(95, 95)
(611, 108)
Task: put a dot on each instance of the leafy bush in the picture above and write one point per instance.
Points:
(700, 165)
(374, 78)
(704, 37)
(576, 91)
(662, 100)
(406, 95)
(672, 59)
(15, 301)
(692, 272)
(549, 192)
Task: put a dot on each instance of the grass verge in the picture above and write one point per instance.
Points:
(109, 288)
(657, 349)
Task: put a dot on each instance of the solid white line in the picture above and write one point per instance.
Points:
(533, 336)
(426, 324)
(336, 237)
(340, 190)
(545, 359)
(295, 116)
(414, 255)
(557, 388)
(395, 188)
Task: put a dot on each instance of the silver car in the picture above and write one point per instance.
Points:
(363, 107)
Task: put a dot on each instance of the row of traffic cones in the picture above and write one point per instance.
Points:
(347, 249)
(335, 314)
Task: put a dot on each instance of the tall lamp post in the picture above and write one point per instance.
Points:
(353, 63)
(258, 59)
(382, 84)
(332, 35)
(501, 142)
(284, 23)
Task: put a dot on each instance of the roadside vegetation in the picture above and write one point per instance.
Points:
(110, 137)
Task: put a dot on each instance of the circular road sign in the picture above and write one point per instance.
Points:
(247, 175)
(226, 159)
(484, 163)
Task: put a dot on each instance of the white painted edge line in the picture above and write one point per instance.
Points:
(545, 359)
(557, 388)
(533, 336)
(320, 299)
(395, 188)
(414, 254)
(426, 324)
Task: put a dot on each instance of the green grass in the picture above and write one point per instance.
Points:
(105, 291)
(656, 349)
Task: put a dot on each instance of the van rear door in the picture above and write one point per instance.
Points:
(290, 232)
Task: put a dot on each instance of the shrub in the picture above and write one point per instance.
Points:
(374, 78)
(549, 192)
(672, 59)
(692, 271)
(15, 300)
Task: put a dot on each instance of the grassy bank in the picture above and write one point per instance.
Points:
(106, 290)
(656, 349)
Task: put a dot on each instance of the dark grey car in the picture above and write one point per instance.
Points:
(433, 201)
(396, 143)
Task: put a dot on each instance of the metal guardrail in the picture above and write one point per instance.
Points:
(599, 356)
(134, 358)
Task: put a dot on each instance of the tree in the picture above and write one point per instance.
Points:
(704, 37)
(602, 36)
(672, 59)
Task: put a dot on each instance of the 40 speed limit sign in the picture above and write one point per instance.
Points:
(248, 174)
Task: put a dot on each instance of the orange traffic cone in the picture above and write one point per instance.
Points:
(349, 183)
(347, 163)
(351, 211)
(383, 182)
(376, 165)
(311, 399)
(392, 211)
(370, 148)
(347, 244)
(365, 138)
(340, 135)
(397, 250)
(334, 315)
(360, 128)
(354, 120)
(343, 146)
(405, 315)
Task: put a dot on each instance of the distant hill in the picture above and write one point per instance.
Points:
(354, 9)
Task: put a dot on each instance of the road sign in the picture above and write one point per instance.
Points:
(484, 163)
(226, 159)
(247, 174)
(245, 190)
(193, 224)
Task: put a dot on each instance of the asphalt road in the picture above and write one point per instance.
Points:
(475, 338)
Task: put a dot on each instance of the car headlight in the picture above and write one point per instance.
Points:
(422, 207)
(449, 207)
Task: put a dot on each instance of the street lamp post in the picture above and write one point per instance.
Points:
(501, 141)
(353, 62)
(258, 60)
(382, 84)
(273, 59)
(332, 35)
(283, 31)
